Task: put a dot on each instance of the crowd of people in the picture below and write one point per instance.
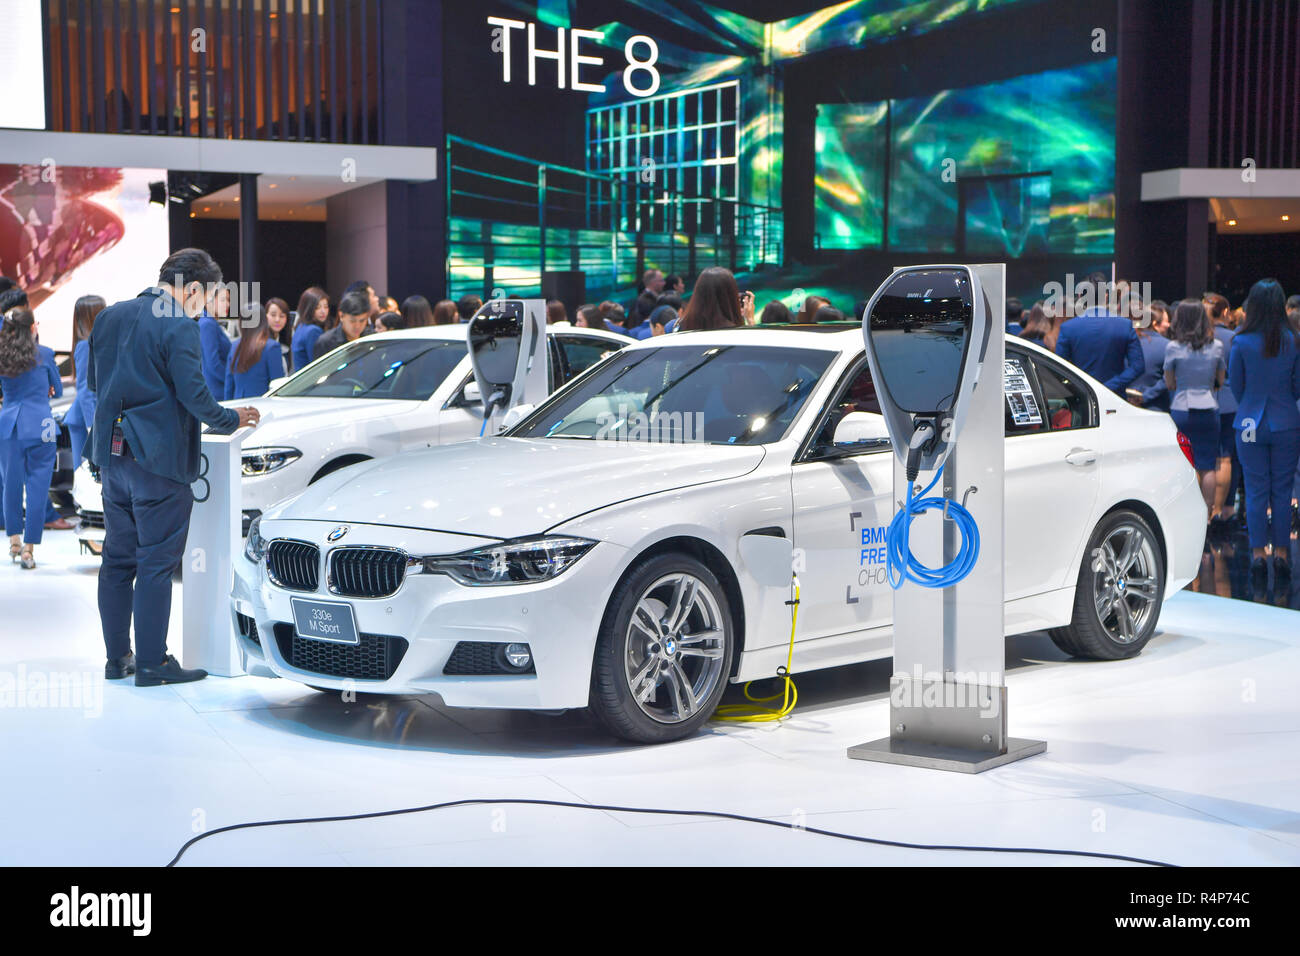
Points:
(1229, 378)
(243, 354)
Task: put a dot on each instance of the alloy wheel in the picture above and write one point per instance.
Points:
(1125, 583)
(675, 647)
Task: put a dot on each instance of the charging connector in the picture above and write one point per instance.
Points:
(922, 439)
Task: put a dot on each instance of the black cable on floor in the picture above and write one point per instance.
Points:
(716, 814)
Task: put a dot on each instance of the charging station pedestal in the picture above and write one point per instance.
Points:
(508, 353)
(948, 695)
(207, 574)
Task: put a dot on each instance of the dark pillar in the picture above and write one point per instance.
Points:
(1198, 262)
(413, 116)
(1161, 122)
(248, 227)
(180, 232)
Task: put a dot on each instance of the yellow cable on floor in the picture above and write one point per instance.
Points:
(744, 713)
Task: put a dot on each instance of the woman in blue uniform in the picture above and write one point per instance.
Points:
(256, 360)
(313, 316)
(28, 438)
(1264, 373)
(82, 412)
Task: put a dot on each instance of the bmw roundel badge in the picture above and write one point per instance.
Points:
(337, 533)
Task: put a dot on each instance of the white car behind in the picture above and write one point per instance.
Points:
(377, 396)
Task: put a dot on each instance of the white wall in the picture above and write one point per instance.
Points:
(22, 65)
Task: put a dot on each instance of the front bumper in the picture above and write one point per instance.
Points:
(430, 615)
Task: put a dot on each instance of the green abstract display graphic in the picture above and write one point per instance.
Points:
(1037, 153)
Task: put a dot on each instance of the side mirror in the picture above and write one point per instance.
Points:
(470, 394)
(276, 383)
(516, 415)
(861, 428)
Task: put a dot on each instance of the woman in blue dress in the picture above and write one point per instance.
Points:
(313, 316)
(256, 360)
(1264, 372)
(82, 412)
(28, 438)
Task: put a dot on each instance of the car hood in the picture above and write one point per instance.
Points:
(510, 487)
(284, 418)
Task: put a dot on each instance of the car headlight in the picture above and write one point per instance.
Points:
(255, 544)
(262, 461)
(524, 561)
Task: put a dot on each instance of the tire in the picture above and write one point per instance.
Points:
(643, 645)
(1119, 593)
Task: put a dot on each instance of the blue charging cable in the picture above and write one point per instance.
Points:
(901, 565)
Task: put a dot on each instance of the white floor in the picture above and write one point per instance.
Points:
(1189, 754)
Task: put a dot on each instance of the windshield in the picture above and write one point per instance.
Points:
(733, 394)
(378, 368)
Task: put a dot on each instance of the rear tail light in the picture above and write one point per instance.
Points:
(1185, 444)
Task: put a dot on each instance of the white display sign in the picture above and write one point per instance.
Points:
(22, 65)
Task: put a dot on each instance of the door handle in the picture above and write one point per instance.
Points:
(1081, 456)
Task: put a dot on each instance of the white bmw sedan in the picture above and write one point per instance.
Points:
(594, 556)
(377, 396)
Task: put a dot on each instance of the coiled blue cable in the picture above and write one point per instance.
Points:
(901, 565)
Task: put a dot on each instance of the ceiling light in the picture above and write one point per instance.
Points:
(1232, 222)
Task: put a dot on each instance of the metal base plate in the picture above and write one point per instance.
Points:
(959, 759)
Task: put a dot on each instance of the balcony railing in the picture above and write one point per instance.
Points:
(512, 218)
(301, 70)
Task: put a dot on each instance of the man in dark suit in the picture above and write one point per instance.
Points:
(147, 372)
(354, 322)
(1101, 343)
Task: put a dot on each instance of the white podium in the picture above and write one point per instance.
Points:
(207, 574)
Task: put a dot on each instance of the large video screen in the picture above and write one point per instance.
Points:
(604, 137)
(1028, 162)
(69, 231)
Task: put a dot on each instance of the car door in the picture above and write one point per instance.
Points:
(842, 506)
(1053, 471)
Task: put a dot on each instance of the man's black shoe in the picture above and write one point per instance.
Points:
(120, 667)
(168, 672)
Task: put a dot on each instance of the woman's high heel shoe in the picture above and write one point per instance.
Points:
(28, 560)
(15, 551)
(92, 547)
